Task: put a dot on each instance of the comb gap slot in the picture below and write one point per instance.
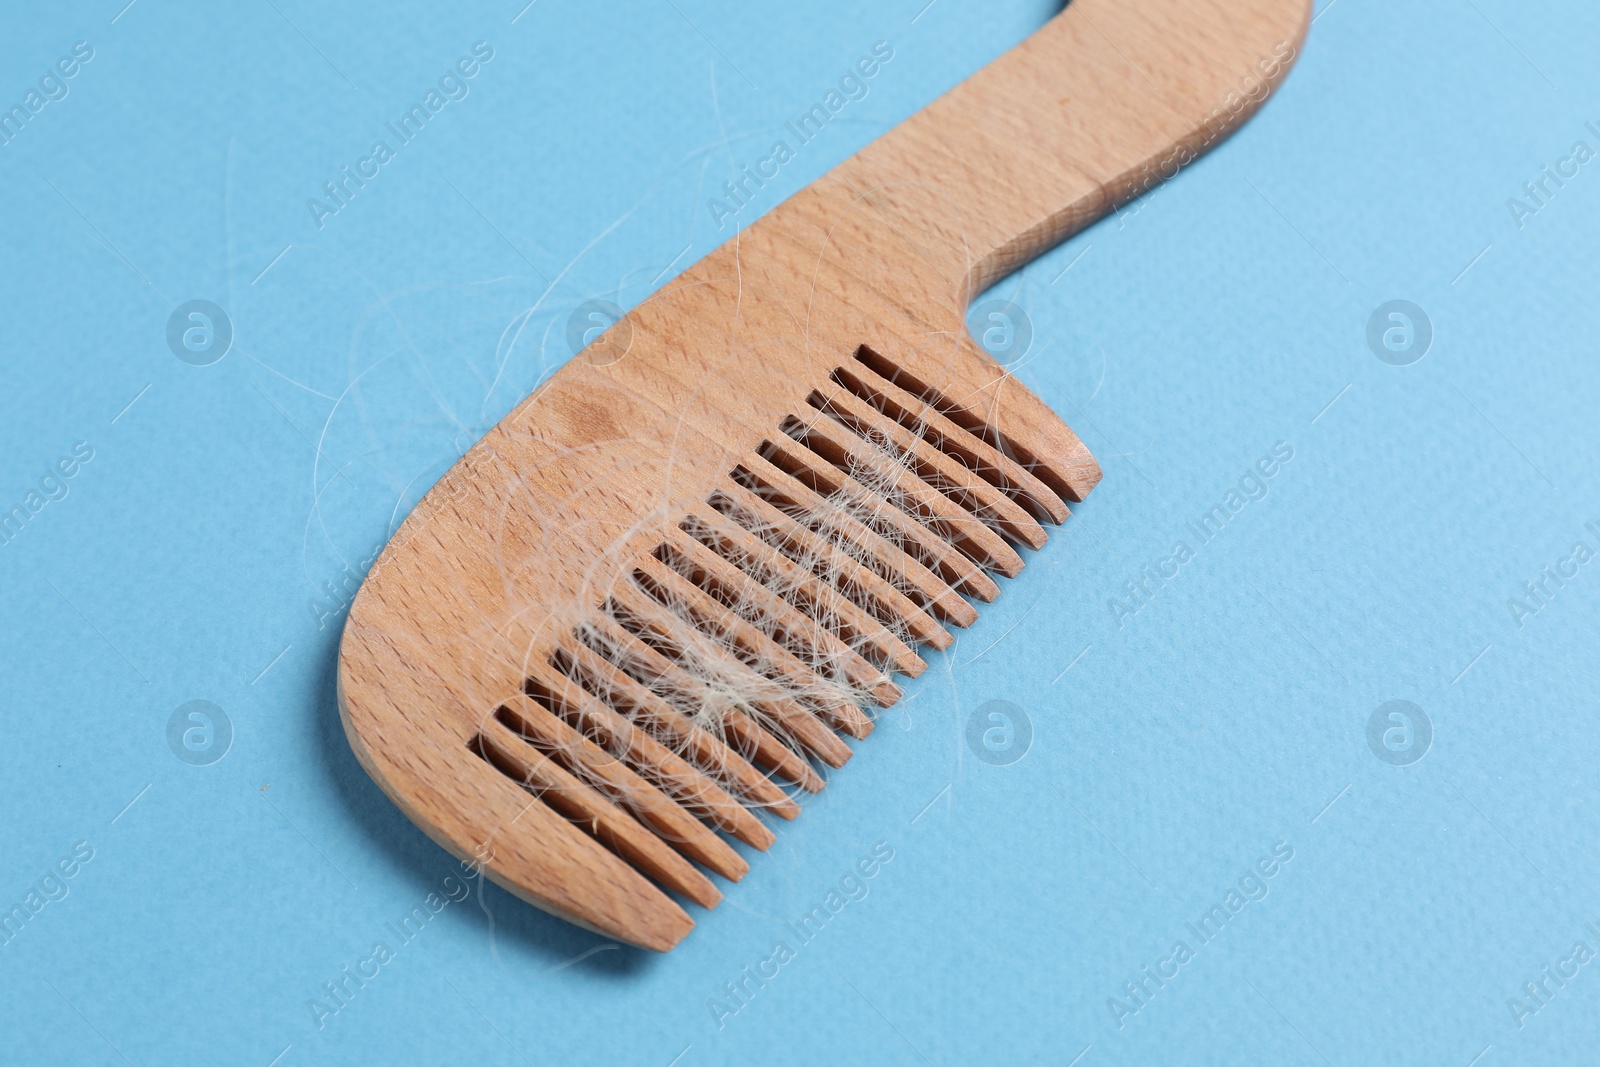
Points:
(755, 680)
(963, 417)
(812, 668)
(708, 784)
(902, 525)
(629, 665)
(920, 423)
(766, 681)
(831, 531)
(541, 787)
(728, 758)
(678, 692)
(714, 632)
(763, 574)
(885, 477)
(614, 697)
(635, 788)
(810, 648)
(801, 589)
(920, 464)
(827, 481)
(594, 814)
(962, 447)
(815, 562)
(570, 756)
(745, 722)
(671, 682)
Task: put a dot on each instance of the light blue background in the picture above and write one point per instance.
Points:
(195, 553)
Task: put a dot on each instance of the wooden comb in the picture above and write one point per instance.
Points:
(680, 570)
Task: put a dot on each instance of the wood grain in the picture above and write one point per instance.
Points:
(831, 326)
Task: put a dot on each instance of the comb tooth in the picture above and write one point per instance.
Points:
(821, 602)
(738, 733)
(751, 735)
(614, 827)
(931, 588)
(772, 752)
(846, 569)
(605, 774)
(679, 783)
(779, 695)
(979, 455)
(683, 778)
(988, 396)
(949, 565)
(921, 502)
(709, 752)
(914, 558)
(788, 620)
(847, 717)
(522, 835)
(973, 492)
(789, 628)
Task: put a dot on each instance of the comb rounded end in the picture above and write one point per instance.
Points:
(409, 699)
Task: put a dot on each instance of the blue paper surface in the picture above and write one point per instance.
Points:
(1411, 883)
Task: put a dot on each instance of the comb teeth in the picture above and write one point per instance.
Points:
(765, 622)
